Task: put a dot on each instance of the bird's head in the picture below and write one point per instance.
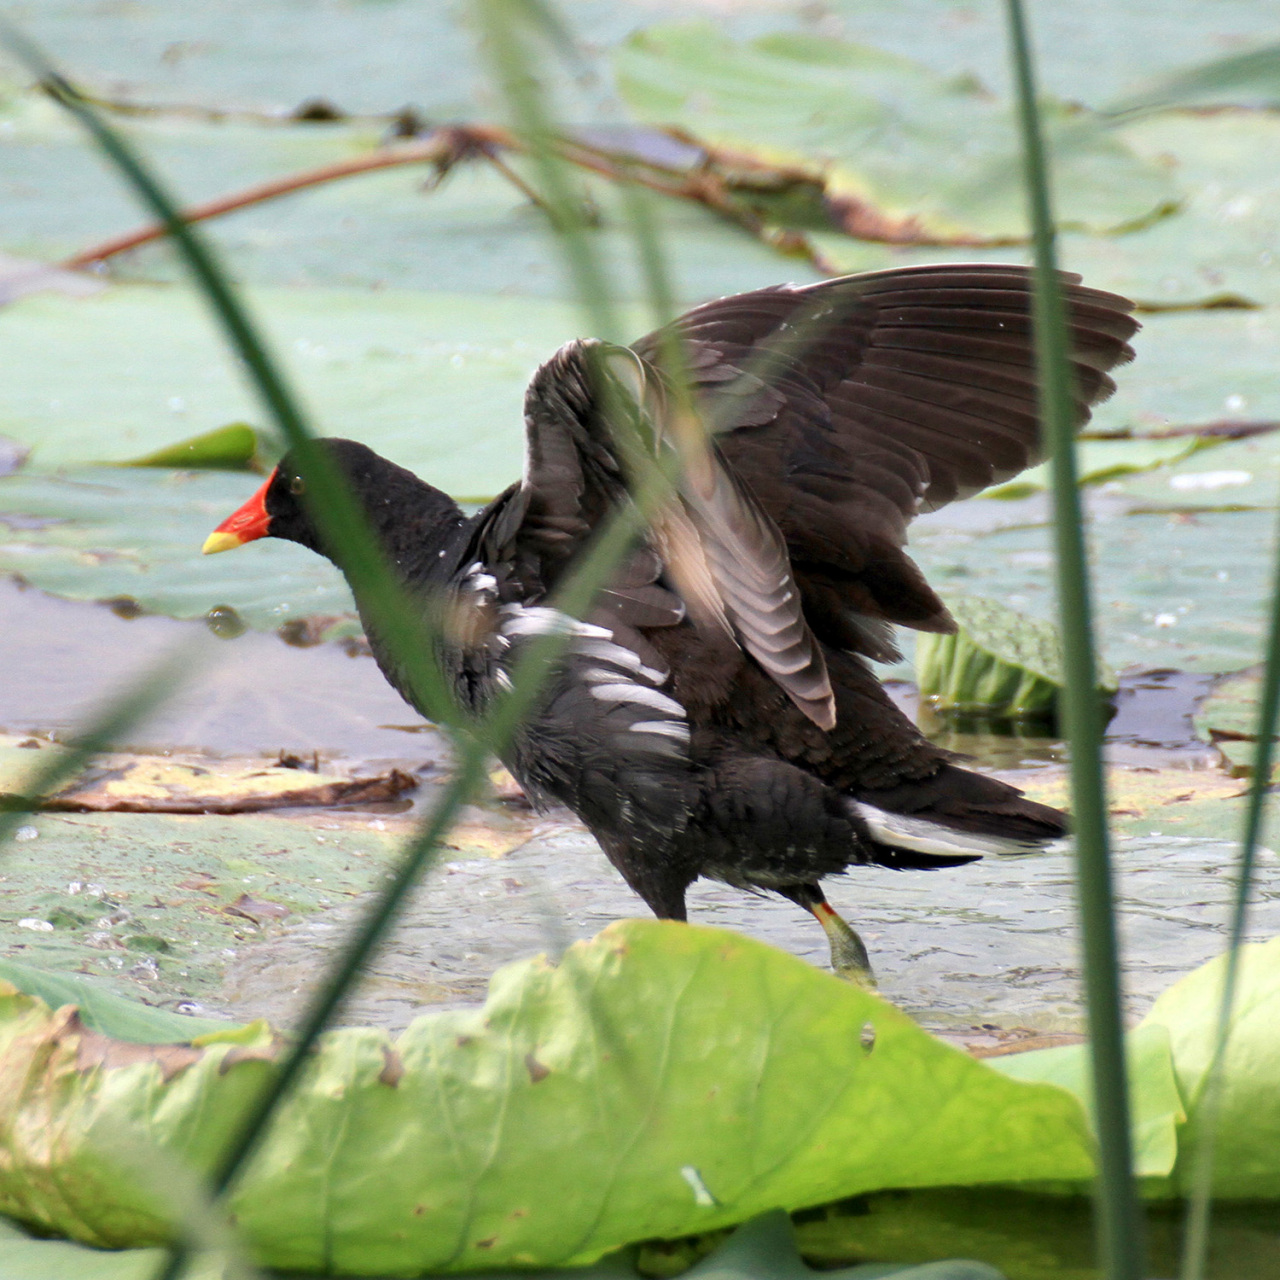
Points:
(279, 508)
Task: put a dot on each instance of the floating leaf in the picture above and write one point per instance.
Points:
(1228, 718)
(1157, 1105)
(134, 534)
(1168, 595)
(434, 381)
(881, 138)
(107, 1013)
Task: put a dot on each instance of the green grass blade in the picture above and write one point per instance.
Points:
(1195, 1249)
(1119, 1211)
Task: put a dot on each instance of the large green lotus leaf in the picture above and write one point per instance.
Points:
(159, 906)
(661, 1079)
(1248, 1134)
(65, 197)
(1219, 246)
(1153, 1090)
(1223, 240)
(473, 234)
(880, 129)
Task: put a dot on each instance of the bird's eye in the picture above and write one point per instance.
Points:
(297, 485)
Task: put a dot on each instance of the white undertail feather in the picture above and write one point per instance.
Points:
(922, 836)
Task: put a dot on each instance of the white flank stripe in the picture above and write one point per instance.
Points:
(536, 620)
(618, 654)
(667, 728)
(625, 691)
(922, 836)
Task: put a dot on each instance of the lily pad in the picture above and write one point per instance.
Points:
(147, 903)
(1175, 589)
(1156, 1102)
(869, 126)
(134, 535)
(1228, 718)
(696, 1129)
(435, 381)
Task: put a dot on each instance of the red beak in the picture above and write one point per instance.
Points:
(250, 522)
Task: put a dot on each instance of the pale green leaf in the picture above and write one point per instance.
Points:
(662, 1079)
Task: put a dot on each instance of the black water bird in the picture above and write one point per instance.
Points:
(716, 714)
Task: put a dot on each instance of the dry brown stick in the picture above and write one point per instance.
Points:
(444, 148)
(704, 186)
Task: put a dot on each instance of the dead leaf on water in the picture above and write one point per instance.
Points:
(196, 785)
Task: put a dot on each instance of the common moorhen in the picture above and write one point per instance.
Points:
(716, 714)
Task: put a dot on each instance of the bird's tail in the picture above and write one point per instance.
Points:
(952, 818)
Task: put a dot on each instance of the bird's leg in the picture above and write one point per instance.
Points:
(848, 955)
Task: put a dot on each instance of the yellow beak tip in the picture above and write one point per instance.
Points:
(220, 542)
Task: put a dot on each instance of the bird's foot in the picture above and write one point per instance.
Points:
(849, 956)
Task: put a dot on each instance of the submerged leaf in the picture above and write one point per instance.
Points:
(1228, 718)
(1098, 461)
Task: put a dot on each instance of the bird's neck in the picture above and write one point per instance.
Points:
(415, 524)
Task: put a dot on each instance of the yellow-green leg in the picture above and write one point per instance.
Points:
(849, 957)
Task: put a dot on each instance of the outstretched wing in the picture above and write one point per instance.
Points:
(712, 551)
(849, 406)
(838, 411)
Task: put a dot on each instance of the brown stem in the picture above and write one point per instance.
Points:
(443, 148)
(704, 186)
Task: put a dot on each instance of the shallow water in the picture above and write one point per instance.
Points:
(990, 943)
(254, 693)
